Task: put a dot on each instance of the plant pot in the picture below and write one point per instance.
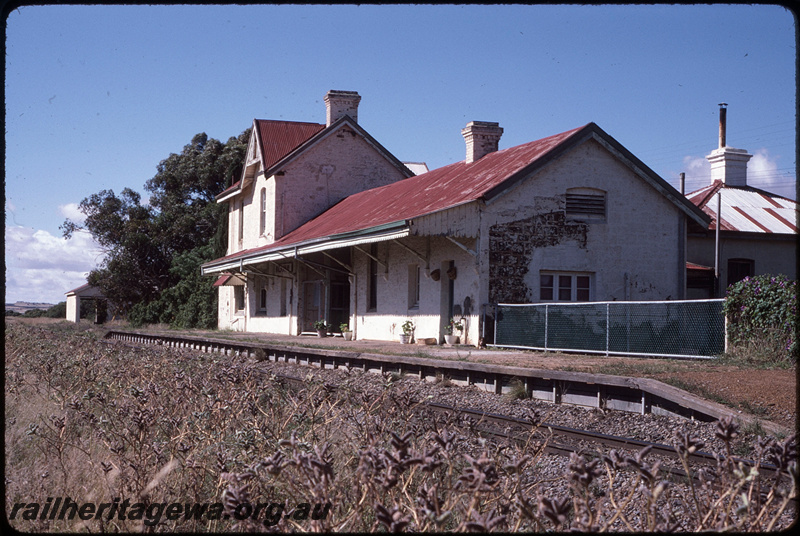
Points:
(322, 333)
(348, 335)
(451, 339)
(405, 338)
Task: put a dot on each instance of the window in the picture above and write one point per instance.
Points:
(263, 225)
(560, 286)
(413, 286)
(262, 298)
(372, 290)
(241, 221)
(738, 269)
(586, 204)
(238, 297)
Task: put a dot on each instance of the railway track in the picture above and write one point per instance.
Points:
(604, 392)
(556, 439)
(564, 441)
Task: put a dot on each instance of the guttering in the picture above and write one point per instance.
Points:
(380, 233)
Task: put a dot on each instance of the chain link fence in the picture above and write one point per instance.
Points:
(690, 329)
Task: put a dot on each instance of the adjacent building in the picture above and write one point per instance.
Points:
(757, 229)
(325, 224)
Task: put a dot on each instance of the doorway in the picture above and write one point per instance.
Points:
(446, 298)
(313, 304)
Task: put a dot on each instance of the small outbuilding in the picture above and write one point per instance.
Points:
(85, 292)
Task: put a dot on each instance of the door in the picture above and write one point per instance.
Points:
(313, 304)
(446, 298)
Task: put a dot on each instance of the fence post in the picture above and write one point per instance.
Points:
(546, 316)
(608, 327)
(494, 335)
(725, 334)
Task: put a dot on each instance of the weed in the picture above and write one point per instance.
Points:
(96, 422)
(517, 390)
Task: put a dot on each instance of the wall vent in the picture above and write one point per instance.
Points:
(579, 205)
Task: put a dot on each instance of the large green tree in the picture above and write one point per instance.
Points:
(153, 251)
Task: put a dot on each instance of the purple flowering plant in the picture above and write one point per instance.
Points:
(762, 311)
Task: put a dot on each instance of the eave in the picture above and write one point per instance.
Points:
(379, 233)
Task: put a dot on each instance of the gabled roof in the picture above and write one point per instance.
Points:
(279, 138)
(387, 210)
(746, 209)
(274, 140)
(279, 142)
(86, 290)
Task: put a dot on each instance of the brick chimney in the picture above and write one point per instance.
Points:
(341, 103)
(482, 138)
(728, 165)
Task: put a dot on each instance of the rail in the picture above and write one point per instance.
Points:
(634, 395)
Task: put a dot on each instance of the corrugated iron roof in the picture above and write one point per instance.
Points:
(437, 190)
(279, 138)
(700, 267)
(229, 189)
(747, 209)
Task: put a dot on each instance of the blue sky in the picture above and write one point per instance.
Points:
(97, 96)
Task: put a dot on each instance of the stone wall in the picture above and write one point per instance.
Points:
(511, 247)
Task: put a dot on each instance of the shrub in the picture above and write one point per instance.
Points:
(761, 312)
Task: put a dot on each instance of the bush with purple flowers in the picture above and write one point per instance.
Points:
(761, 315)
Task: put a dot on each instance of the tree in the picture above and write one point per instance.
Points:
(151, 269)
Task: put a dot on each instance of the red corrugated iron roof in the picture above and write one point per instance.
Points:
(439, 189)
(699, 267)
(279, 138)
(221, 280)
(746, 209)
(231, 188)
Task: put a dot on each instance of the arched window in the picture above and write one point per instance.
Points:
(262, 303)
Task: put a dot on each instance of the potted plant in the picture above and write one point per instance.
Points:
(321, 327)
(450, 336)
(408, 331)
(346, 333)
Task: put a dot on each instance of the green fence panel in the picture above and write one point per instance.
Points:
(691, 328)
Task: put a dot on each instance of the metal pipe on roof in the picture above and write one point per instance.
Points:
(723, 113)
(683, 183)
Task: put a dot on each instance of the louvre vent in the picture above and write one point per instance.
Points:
(586, 204)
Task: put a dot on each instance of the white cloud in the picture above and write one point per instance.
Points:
(41, 267)
(763, 172)
(71, 211)
(698, 172)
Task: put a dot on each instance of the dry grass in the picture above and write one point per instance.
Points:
(96, 422)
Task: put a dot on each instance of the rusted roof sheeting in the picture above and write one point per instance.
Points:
(229, 189)
(699, 267)
(437, 190)
(279, 138)
(747, 209)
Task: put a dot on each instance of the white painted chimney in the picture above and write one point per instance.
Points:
(482, 138)
(341, 103)
(728, 165)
